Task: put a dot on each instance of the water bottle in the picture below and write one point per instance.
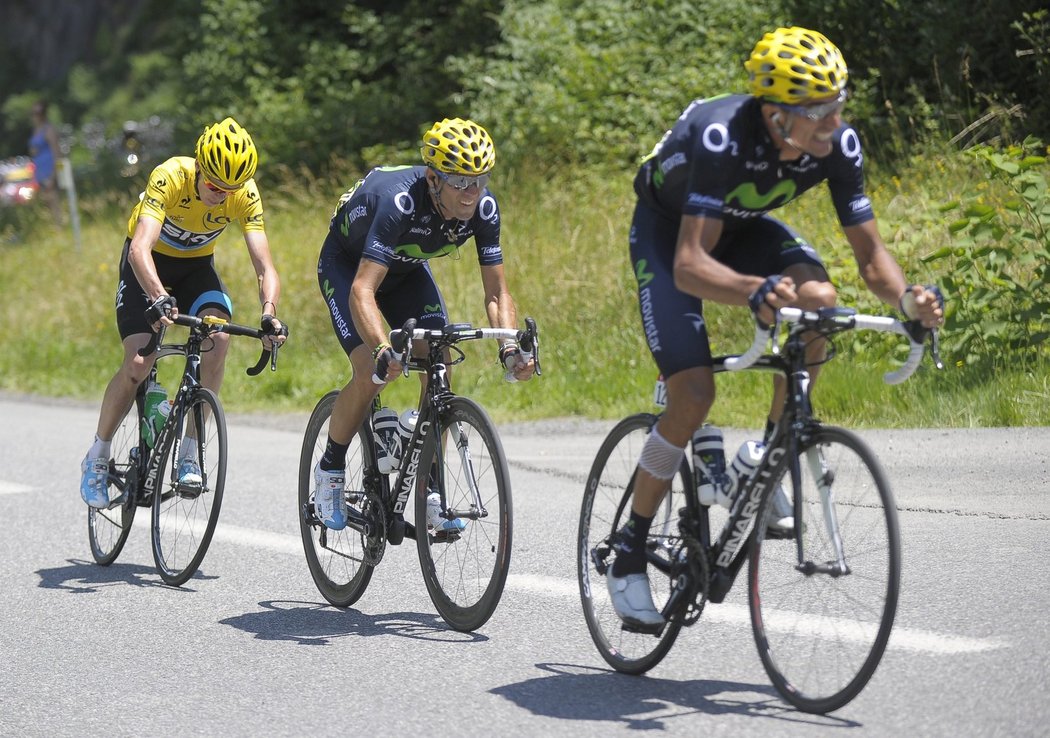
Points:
(709, 465)
(744, 465)
(406, 424)
(156, 411)
(387, 447)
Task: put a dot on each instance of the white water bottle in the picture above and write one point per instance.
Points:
(406, 425)
(387, 446)
(744, 465)
(709, 465)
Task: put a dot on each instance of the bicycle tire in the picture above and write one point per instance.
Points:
(335, 557)
(184, 518)
(108, 528)
(606, 507)
(465, 576)
(821, 637)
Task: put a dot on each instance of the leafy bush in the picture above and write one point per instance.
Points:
(997, 271)
(599, 82)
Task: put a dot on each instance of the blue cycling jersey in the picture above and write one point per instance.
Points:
(389, 217)
(718, 161)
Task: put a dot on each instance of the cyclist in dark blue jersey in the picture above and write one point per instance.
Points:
(373, 266)
(701, 231)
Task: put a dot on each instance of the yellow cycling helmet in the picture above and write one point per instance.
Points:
(457, 146)
(791, 65)
(226, 154)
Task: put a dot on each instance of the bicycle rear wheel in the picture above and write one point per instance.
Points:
(606, 507)
(337, 558)
(108, 528)
(184, 516)
(821, 632)
(465, 573)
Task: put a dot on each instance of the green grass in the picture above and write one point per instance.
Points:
(565, 246)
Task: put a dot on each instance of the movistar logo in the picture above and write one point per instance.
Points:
(643, 277)
(749, 197)
(432, 308)
(415, 251)
(329, 290)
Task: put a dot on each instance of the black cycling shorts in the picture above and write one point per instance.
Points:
(193, 283)
(412, 294)
(673, 321)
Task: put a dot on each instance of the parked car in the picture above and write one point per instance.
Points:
(17, 183)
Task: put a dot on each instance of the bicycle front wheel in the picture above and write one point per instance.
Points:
(606, 507)
(185, 514)
(337, 558)
(108, 528)
(822, 607)
(465, 572)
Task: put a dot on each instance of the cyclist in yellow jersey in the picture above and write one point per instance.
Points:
(167, 264)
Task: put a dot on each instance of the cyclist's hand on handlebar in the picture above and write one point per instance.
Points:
(514, 362)
(276, 331)
(162, 312)
(923, 303)
(387, 364)
(775, 292)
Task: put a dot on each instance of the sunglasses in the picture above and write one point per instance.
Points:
(216, 188)
(820, 111)
(464, 182)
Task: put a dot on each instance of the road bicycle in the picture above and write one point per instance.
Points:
(184, 514)
(823, 597)
(455, 451)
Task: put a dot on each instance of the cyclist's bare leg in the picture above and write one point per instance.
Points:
(120, 392)
(355, 398)
(814, 291)
(213, 360)
(690, 395)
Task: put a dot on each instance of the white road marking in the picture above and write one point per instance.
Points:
(13, 488)
(903, 639)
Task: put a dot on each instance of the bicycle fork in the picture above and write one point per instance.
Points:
(477, 507)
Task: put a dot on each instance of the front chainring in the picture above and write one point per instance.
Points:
(373, 534)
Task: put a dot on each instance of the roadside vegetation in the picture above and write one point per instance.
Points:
(573, 95)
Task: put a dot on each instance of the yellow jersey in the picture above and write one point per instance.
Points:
(188, 226)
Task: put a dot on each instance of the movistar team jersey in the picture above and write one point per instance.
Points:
(389, 217)
(718, 161)
(188, 226)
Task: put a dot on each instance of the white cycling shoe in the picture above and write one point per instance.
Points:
(632, 599)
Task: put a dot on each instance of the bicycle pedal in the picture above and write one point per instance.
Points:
(641, 628)
(189, 491)
(445, 536)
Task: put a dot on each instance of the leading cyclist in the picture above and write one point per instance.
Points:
(374, 266)
(168, 257)
(701, 232)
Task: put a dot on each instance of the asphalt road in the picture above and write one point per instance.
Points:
(248, 646)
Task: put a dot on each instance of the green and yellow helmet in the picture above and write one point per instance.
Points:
(457, 146)
(226, 154)
(792, 65)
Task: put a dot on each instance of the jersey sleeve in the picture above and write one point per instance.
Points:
(249, 208)
(846, 180)
(487, 231)
(710, 163)
(386, 228)
(162, 191)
